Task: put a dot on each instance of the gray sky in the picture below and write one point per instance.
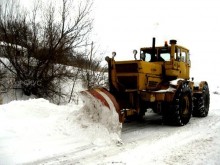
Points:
(129, 24)
(124, 25)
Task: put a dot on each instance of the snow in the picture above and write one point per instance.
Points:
(103, 117)
(36, 131)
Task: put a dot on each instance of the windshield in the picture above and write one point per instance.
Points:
(160, 54)
(165, 56)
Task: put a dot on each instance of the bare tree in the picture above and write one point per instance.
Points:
(93, 74)
(38, 43)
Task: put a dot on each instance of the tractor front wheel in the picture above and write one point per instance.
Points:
(181, 108)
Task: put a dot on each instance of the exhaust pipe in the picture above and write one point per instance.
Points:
(153, 43)
(153, 58)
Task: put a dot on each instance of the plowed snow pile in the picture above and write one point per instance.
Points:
(34, 129)
(100, 122)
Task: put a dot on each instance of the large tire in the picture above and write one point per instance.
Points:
(201, 102)
(181, 109)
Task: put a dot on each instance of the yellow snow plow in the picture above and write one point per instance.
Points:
(159, 80)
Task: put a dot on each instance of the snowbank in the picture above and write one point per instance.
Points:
(34, 129)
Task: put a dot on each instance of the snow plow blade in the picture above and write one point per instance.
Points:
(105, 97)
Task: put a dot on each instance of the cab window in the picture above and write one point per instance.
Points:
(177, 55)
(183, 57)
(147, 57)
(165, 56)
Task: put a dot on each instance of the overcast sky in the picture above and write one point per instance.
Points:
(124, 25)
(130, 24)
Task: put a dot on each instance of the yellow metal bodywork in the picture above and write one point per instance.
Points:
(149, 75)
(146, 72)
(179, 65)
(133, 82)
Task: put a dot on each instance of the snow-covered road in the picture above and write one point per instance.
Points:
(153, 143)
(38, 132)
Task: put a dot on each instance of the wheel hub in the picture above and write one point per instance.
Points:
(185, 105)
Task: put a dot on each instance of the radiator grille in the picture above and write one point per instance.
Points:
(152, 84)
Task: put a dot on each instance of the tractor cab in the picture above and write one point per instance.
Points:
(173, 58)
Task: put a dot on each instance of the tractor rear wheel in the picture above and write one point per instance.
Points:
(201, 102)
(181, 108)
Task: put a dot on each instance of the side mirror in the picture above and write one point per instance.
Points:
(135, 53)
(107, 58)
(113, 54)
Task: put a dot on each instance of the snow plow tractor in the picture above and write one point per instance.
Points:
(160, 81)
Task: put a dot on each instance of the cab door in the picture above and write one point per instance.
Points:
(184, 63)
